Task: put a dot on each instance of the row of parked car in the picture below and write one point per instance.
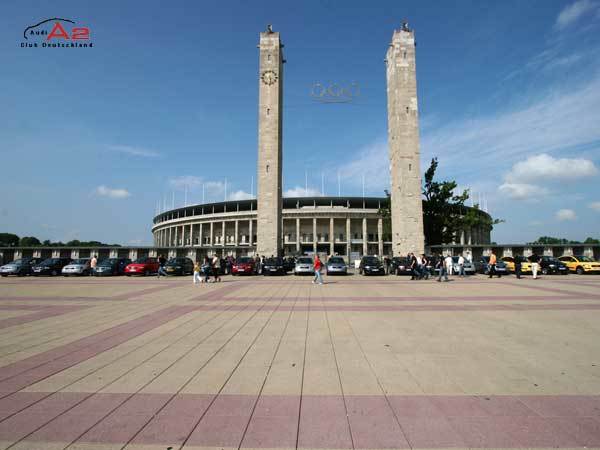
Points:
(303, 265)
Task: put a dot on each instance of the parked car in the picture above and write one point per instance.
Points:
(244, 265)
(304, 266)
(580, 264)
(467, 266)
(50, 266)
(79, 267)
(510, 264)
(19, 267)
(273, 266)
(111, 266)
(400, 265)
(336, 266)
(551, 265)
(142, 266)
(371, 265)
(179, 266)
(289, 264)
(483, 266)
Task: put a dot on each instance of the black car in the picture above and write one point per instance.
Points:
(274, 266)
(483, 266)
(289, 264)
(371, 265)
(400, 266)
(180, 266)
(50, 266)
(19, 267)
(550, 265)
(111, 266)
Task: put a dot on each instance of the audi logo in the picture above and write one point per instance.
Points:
(335, 92)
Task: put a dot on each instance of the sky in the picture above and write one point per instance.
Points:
(94, 141)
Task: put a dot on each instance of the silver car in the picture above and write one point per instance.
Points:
(468, 266)
(304, 266)
(19, 267)
(79, 266)
(336, 265)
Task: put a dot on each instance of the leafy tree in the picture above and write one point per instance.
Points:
(549, 240)
(590, 240)
(29, 241)
(8, 240)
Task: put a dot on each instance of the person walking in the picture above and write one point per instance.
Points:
(518, 266)
(440, 264)
(413, 266)
(161, 266)
(492, 265)
(206, 270)
(425, 270)
(197, 269)
(535, 260)
(317, 268)
(93, 264)
(461, 266)
(216, 268)
(448, 262)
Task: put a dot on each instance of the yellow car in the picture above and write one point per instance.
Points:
(510, 264)
(581, 264)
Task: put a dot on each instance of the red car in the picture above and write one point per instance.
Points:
(142, 266)
(244, 265)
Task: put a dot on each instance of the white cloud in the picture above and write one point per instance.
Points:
(567, 117)
(595, 206)
(565, 214)
(135, 241)
(299, 191)
(104, 191)
(134, 151)
(523, 191)
(214, 191)
(372, 161)
(189, 181)
(573, 12)
(545, 167)
(239, 195)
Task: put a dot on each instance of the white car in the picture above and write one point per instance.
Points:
(304, 266)
(79, 266)
(469, 267)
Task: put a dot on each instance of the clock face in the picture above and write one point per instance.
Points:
(269, 77)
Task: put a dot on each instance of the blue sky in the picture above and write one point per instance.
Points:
(92, 139)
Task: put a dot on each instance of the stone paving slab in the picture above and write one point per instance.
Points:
(276, 362)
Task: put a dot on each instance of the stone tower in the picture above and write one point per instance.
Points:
(270, 98)
(403, 138)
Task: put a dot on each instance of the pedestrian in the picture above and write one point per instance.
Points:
(461, 266)
(413, 266)
(449, 263)
(206, 270)
(161, 266)
(93, 264)
(535, 260)
(216, 268)
(197, 269)
(492, 264)
(440, 264)
(262, 263)
(425, 270)
(317, 268)
(386, 265)
(518, 266)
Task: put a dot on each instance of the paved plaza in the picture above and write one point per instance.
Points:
(276, 362)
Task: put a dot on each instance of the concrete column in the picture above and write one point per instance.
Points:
(588, 251)
(380, 236)
(201, 239)
(331, 236)
(170, 235)
(487, 251)
(18, 254)
(314, 234)
(113, 253)
(211, 238)
(348, 238)
(527, 251)
(133, 254)
(56, 253)
(191, 234)
(37, 253)
(548, 251)
(568, 251)
(74, 254)
(235, 238)
(251, 232)
(297, 234)
(507, 251)
(223, 233)
(364, 234)
(153, 253)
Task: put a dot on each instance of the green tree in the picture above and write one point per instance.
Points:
(549, 240)
(8, 240)
(590, 240)
(29, 241)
